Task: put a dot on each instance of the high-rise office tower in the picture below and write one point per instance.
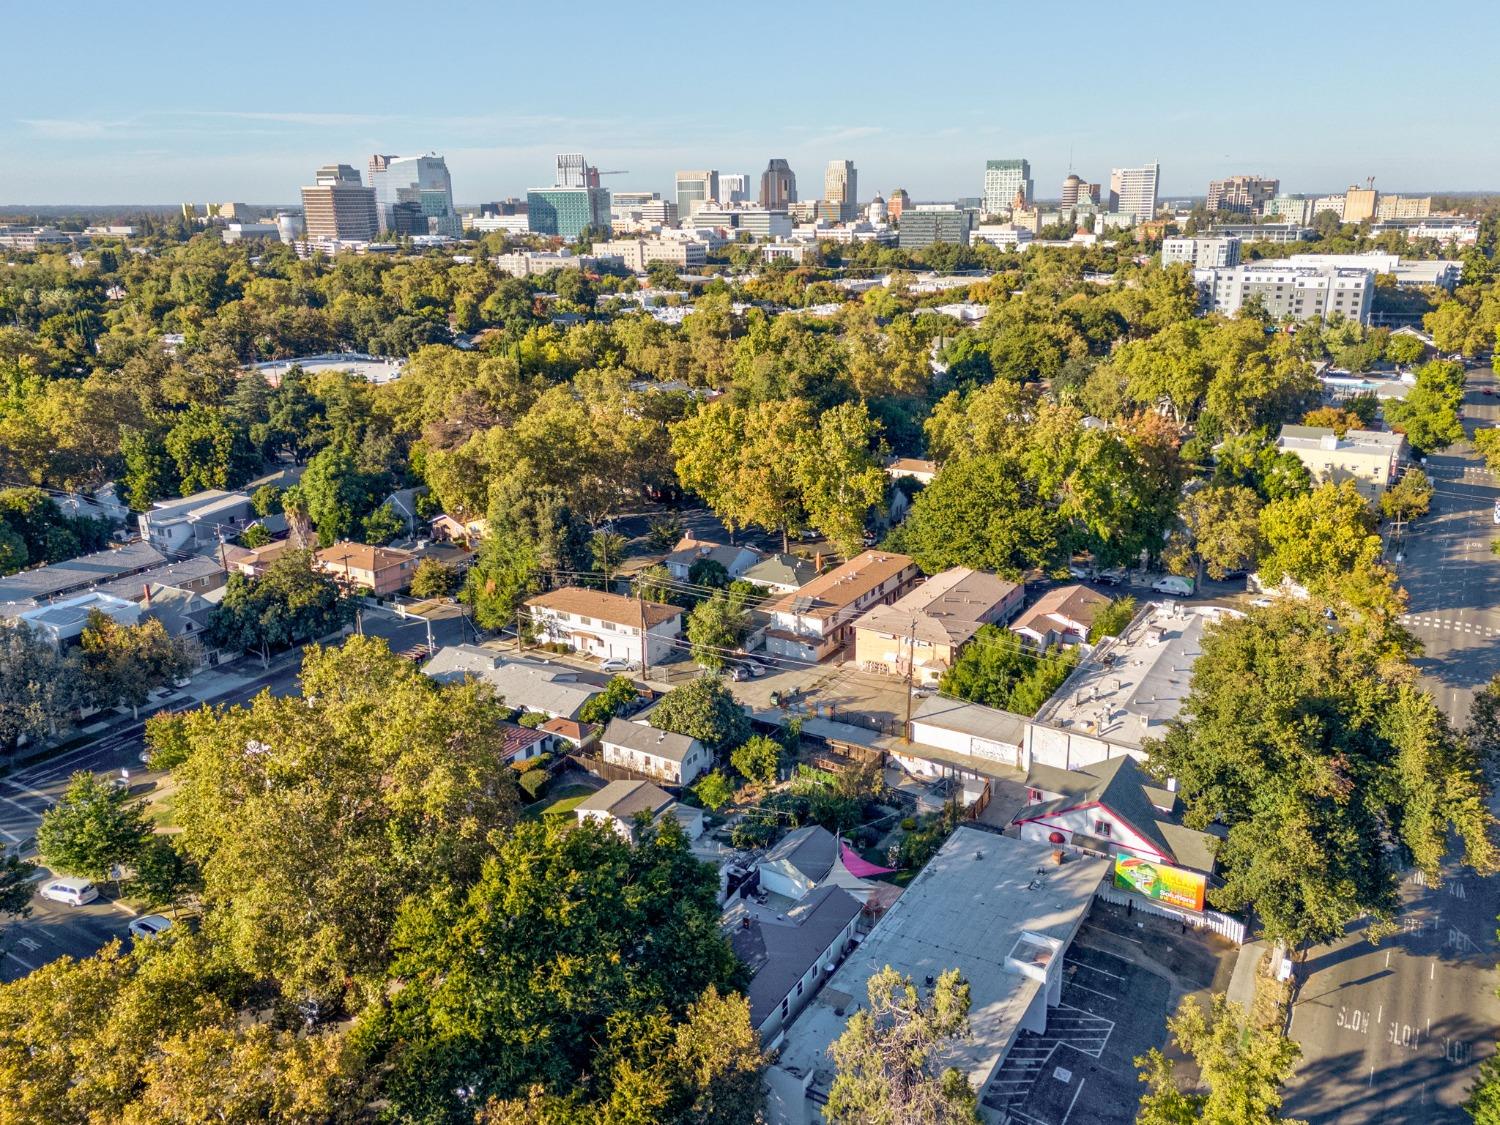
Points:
(1243, 195)
(694, 189)
(574, 171)
(1132, 191)
(1002, 180)
(734, 187)
(840, 188)
(778, 185)
(338, 206)
(421, 187)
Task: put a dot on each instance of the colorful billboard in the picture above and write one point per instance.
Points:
(1174, 886)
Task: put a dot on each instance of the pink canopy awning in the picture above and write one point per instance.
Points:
(859, 866)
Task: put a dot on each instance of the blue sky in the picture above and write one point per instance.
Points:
(155, 102)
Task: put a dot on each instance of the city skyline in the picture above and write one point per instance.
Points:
(215, 123)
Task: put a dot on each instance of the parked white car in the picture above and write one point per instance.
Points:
(69, 890)
(149, 925)
(618, 664)
(1174, 585)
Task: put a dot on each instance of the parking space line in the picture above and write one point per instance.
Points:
(16, 957)
(1093, 969)
(1074, 1102)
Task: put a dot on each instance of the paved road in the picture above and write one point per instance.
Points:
(1392, 1032)
(54, 930)
(1449, 573)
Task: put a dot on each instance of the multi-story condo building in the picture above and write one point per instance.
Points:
(338, 207)
(1218, 250)
(818, 620)
(1296, 209)
(778, 185)
(734, 187)
(1132, 191)
(1403, 207)
(1289, 292)
(924, 227)
(638, 253)
(1265, 232)
(1003, 181)
(1367, 457)
(756, 221)
(1244, 195)
(1077, 191)
(840, 188)
(423, 186)
(1359, 204)
(694, 189)
(567, 212)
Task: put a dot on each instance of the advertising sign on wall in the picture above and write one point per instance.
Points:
(1173, 886)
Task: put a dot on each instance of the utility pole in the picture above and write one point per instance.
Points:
(520, 636)
(640, 603)
(911, 668)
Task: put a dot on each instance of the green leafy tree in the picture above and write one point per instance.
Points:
(1483, 1103)
(92, 829)
(981, 512)
(163, 875)
(607, 548)
(703, 708)
(39, 687)
(382, 526)
(758, 759)
(16, 886)
(433, 579)
(313, 818)
(124, 664)
(290, 604)
(506, 573)
(1329, 770)
(708, 572)
(255, 536)
(715, 790)
(336, 494)
(1223, 532)
(1404, 350)
(617, 695)
(1430, 414)
(1243, 1068)
(266, 500)
(1112, 619)
(838, 471)
(718, 623)
(1409, 498)
(1322, 534)
(996, 669)
(13, 554)
(665, 531)
(210, 450)
(890, 1058)
(572, 947)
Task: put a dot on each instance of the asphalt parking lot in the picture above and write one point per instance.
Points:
(1123, 977)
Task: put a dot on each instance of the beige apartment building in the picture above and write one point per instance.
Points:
(924, 630)
(1367, 457)
(817, 620)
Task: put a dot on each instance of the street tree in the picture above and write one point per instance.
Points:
(617, 695)
(1317, 537)
(373, 786)
(16, 886)
(124, 664)
(1222, 524)
(1242, 1067)
(891, 1057)
(1331, 772)
(433, 579)
(1430, 414)
(703, 708)
(39, 686)
(1409, 498)
(717, 624)
(93, 830)
(838, 471)
(291, 603)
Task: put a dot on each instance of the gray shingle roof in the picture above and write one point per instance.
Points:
(624, 799)
(80, 573)
(779, 953)
(648, 740)
(811, 850)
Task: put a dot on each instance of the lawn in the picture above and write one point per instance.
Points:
(559, 803)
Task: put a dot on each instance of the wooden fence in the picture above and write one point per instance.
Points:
(1221, 924)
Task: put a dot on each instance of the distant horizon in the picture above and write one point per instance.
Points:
(918, 99)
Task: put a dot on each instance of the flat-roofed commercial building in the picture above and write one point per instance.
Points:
(337, 206)
(1286, 291)
(567, 211)
(1213, 250)
(1367, 457)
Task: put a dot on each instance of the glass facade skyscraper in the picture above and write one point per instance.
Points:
(421, 180)
(567, 211)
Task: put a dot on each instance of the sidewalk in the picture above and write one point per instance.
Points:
(1242, 984)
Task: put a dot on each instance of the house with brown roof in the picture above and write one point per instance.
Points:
(254, 562)
(817, 620)
(924, 630)
(915, 467)
(381, 570)
(1060, 616)
(608, 626)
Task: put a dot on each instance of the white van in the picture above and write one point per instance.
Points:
(1175, 585)
(71, 891)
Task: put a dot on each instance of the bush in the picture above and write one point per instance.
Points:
(753, 832)
(531, 719)
(533, 782)
(908, 824)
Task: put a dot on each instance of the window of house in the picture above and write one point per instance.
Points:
(784, 1006)
(1101, 828)
(799, 988)
(1034, 796)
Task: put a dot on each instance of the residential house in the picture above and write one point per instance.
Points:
(1108, 808)
(734, 559)
(381, 570)
(200, 574)
(620, 803)
(781, 573)
(608, 626)
(570, 734)
(671, 758)
(63, 622)
(554, 690)
(800, 861)
(185, 615)
(256, 561)
(30, 587)
(818, 620)
(520, 744)
(923, 631)
(404, 503)
(1062, 615)
(196, 523)
(455, 530)
(915, 467)
(790, 955)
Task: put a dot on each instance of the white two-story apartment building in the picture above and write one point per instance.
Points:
(606, 625)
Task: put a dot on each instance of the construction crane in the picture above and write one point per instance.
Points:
(616, 172)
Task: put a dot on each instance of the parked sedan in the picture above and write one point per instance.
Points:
(618, 664)
(149, 925)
